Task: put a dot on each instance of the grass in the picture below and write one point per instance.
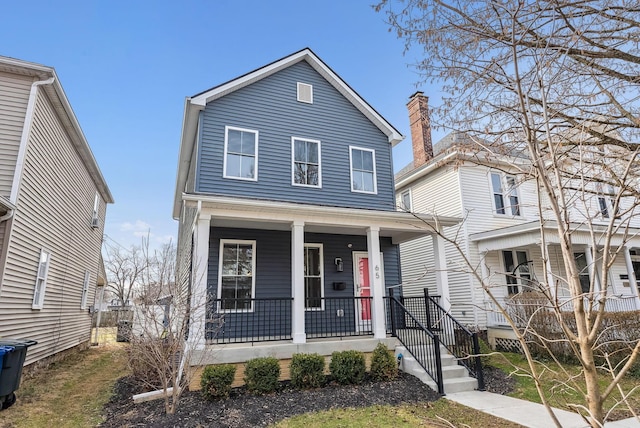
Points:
(557, 391)
(442, 413)
(70, 393)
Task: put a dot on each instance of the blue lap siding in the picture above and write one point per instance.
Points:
(270, 107)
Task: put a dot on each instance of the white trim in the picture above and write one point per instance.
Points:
(85, 290)
(403, 206)
(375, 175)
(255, 158)
(293, 161)
(320, 246)
(253, 272)
(505, 194)
(38, 295)
(300, 85)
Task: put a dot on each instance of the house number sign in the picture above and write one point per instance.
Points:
(377, 269)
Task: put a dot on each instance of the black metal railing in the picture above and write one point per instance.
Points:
(419, 341)
(338, 317)
(459, 341)
(249, 320)
(422, 309)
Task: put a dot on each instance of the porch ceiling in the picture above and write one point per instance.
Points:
(526, 234)
(272, 215)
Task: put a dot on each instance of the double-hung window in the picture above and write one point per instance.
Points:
(94, 215)
(313, 277)
(518, 272)
(363, 170)
(41, 279)
(85, 291)
(236, 281)
(505, 194)
(241, 154)
(583, 271)
(306, 162)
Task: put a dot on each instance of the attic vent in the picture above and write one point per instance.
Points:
(305, 93)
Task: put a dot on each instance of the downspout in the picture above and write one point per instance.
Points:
(26, 130)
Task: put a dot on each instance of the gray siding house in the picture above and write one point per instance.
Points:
(288, 228)
(52, 208)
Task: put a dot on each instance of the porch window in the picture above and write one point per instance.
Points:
(236, 283)
(313, 277)
(363, 170)
(583, 271)
(306, 162)
(518, 272)
(41, 279)
(505, 194)
(240, 154)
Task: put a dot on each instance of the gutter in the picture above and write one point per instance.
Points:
(26, 130)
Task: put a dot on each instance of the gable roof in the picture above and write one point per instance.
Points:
(65, 112)
(196, 103)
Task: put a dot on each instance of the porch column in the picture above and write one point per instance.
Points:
(551, 282)
(200, 260)
(442, 279)
(591, 266)
(632, 276)
(376, 282)
(297, 282)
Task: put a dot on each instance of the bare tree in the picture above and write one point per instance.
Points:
(556, 83)
(124, 268)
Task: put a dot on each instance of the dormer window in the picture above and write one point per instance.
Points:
(505, 194)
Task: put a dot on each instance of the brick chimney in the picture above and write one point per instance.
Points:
(420, 123)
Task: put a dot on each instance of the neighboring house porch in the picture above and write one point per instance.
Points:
(512, 259)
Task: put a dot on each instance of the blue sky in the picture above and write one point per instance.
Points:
(126, 67)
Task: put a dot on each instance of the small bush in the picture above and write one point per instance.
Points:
(261, 375)
(383, 364)
(216, 381)
(307, 371)
(347, 367)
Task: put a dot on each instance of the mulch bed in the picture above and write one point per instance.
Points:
(246, 410)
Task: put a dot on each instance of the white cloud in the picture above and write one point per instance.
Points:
(138, 227)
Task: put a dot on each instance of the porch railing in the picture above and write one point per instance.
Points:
(459, 341)
(338, 317)
(249, 320)
(419, 341)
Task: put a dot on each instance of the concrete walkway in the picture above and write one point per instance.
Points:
(524, 412)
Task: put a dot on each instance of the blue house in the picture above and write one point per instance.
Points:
(287, 212)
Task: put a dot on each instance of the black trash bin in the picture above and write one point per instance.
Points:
(12, 369)
(123, 334)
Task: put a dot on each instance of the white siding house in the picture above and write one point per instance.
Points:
(52, 209)
(500, 233)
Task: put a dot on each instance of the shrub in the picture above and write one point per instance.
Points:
(261, 375)
(307, 371)
(216, 381)
(383, 364)
(347, 367)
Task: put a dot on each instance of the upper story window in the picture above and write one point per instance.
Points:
(405, 200)
(583, 271)
(306, 162)
(94, 216)
(85, 291)
(606, 203)
(363, 170)
(236, 281)
(505, 194)
(241, 154)
(41, 279)
(313, 277)
(305, 93)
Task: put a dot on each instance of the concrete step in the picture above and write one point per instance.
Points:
(455, 377)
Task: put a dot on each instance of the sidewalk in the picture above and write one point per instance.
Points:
(526, 413)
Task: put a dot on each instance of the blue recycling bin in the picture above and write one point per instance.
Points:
(4, 350)
(12, 362)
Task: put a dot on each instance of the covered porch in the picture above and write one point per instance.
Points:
(286, 273)
(513, 262)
